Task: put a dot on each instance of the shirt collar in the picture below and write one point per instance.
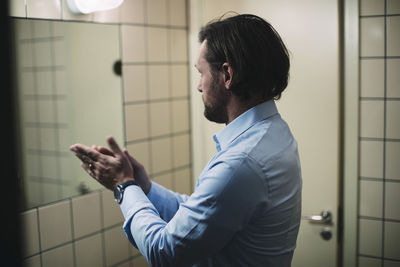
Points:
(247, 119)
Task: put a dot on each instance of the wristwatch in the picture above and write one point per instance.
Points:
(119, 190)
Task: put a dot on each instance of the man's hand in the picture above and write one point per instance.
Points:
(110, 168)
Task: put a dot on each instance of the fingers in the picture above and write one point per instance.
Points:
(85, 151)
(114, 146)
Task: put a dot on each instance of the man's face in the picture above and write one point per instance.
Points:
(212, 86)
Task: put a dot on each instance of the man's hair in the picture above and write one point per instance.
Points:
(254, 50)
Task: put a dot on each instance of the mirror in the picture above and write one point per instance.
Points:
(68, 91)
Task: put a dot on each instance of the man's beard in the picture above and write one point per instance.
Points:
(216, 110)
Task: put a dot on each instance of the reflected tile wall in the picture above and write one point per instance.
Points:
(379, 181)
(153, 37)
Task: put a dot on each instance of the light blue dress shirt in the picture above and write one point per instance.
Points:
(245, 209)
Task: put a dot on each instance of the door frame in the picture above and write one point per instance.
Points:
(350, 131)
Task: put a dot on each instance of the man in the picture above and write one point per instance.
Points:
(245, 209)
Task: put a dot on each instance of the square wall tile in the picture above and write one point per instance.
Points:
(17, 8)
(179, 80)
(161, 159)
(369, 262)
(393, 6)
(392, 194)
(89, 251)
(178, 46)
(372, 7)
(393, 36)
(48, 138)
(32, 262)
(371, 162)
(44, 82)
(140, 151)
(372, 37)
(157, 44)
(136, 122)
(372, 118)
(392, 240)
(86, 214)
(158, 82)
(181, 150)
(112, 214)
(392, 160)
(60, 257)
(157, 12)
(42, 54)
(31, 138)
(393, 77)
(392, 119)
(41, 28)
(165, 180)
(45, 9)
(30, 232)
(116, 246)
(182, 181)
(371, 199)
(135, 83)
(180, 115)
(132, 11)
(160, 118)
(372, 77)
(133, 43)
(369, 238)
(177, 13)
(55, 224)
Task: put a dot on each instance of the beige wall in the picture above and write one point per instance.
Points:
(86, 230)
(379, 138)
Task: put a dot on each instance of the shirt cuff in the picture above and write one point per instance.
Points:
(134, 200)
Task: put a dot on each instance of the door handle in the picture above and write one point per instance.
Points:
(324, 218)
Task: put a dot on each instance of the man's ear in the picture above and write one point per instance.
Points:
(227, 72)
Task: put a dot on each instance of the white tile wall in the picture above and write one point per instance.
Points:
(158, 81)
(393, 77)
(89, 251)
(135, 83)
(52, 257)
(160, 118)
(372, 78)
(86, 214)
(371, 121)
(392, 160)
(392, 240)
(372, 37)
(393, 36)
(371, 154)
(46, 9)
(371, 7)
(379, 190)
(370, 234)
(55, 225)
(371, 198)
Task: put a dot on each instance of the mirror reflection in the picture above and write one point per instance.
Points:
(67, 88)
